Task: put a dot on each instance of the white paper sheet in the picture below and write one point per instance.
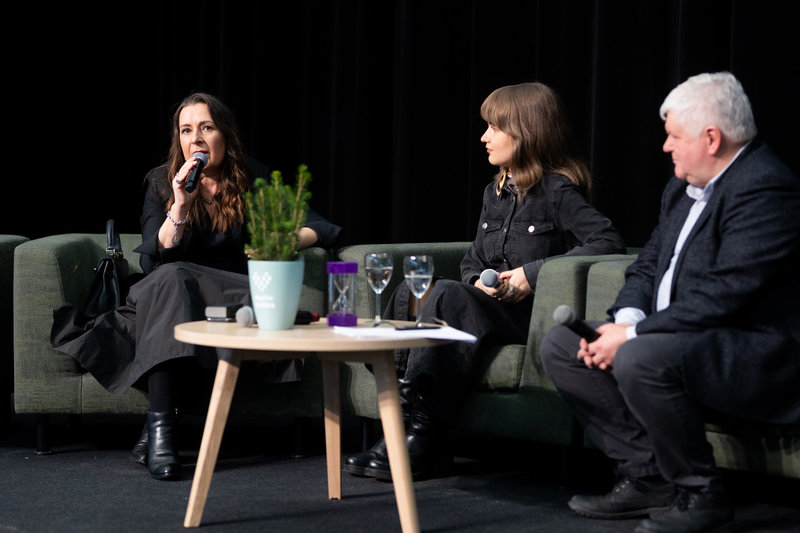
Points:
(391, 333)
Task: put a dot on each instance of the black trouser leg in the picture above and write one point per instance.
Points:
(441, 374)
(649, 374)
(597, 403)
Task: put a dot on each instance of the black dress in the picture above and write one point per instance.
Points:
(206, 268)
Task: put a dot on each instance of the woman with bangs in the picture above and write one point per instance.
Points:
(534, 209)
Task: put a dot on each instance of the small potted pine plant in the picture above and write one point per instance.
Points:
(275, 214)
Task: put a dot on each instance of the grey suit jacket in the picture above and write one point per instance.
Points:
(735, 302)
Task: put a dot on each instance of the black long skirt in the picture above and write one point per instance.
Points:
(119, 347)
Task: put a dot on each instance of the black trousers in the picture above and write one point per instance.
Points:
(440, 375)
(638, 413)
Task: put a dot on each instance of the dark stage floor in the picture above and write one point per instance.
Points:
(89, 484)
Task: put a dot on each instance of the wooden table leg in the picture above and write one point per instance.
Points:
(218, 409)
(395, 436)
(333, 440)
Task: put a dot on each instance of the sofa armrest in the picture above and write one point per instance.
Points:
(447, 258)
(562, 281)
(8, 244)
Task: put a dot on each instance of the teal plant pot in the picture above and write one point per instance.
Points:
(275, 292)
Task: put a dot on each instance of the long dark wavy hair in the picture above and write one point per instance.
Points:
(533, 116)
(234, 176)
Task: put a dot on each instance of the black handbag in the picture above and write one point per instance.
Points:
(110, 284)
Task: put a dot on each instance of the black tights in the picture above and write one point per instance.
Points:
(161, 388)
(179, 383)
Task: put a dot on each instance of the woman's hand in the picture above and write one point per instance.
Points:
(515, 286)
(171, 231)
(183, 199)
(512, 286)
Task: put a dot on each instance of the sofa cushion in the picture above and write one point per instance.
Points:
(500, 368)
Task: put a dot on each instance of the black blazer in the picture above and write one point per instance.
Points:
(734, 299)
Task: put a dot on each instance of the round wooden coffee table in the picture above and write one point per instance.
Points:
(331, 348)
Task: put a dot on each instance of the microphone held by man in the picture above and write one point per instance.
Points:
(565, 316)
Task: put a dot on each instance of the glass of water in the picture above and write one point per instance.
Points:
(378, 268)
(418, 271)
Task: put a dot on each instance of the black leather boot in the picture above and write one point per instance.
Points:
(139, 451)
(162, 454)
(427, 447)
(356, 464)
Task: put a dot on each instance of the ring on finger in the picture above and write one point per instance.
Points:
(178, 181)
(511, 290)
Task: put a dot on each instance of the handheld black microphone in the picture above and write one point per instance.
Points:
(194, 174)
(566, 317)
(489, 278)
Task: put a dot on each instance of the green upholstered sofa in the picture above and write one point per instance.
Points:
(737, 444)
(51, 271)
(510, 397)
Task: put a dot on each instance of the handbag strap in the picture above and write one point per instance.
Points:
(113, 243)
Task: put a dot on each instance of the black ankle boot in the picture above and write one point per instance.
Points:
(427, 447)
(356, 464)
(162, 454)
(139, 451)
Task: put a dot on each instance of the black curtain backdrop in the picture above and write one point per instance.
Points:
(380, 98)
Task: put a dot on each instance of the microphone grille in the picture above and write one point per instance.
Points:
(245, 316)
(201, 157)
(563, 315)
(489, 278)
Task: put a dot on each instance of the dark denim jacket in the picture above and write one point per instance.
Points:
(552, 219)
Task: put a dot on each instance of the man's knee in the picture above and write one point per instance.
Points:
(647, 359)
(559, 346)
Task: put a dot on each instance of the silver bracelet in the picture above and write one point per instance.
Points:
(175, 239)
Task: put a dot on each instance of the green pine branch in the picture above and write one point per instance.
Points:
(275, 214)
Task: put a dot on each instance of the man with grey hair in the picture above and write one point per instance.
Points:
(707, 322)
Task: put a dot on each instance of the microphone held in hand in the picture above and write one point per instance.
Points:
(194, 174)
(566, 317)
(489, 278)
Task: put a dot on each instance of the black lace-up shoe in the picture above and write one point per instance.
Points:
(692, 512)
(628, 499)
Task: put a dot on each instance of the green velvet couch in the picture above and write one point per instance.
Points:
(510, 397)
(51, 271)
